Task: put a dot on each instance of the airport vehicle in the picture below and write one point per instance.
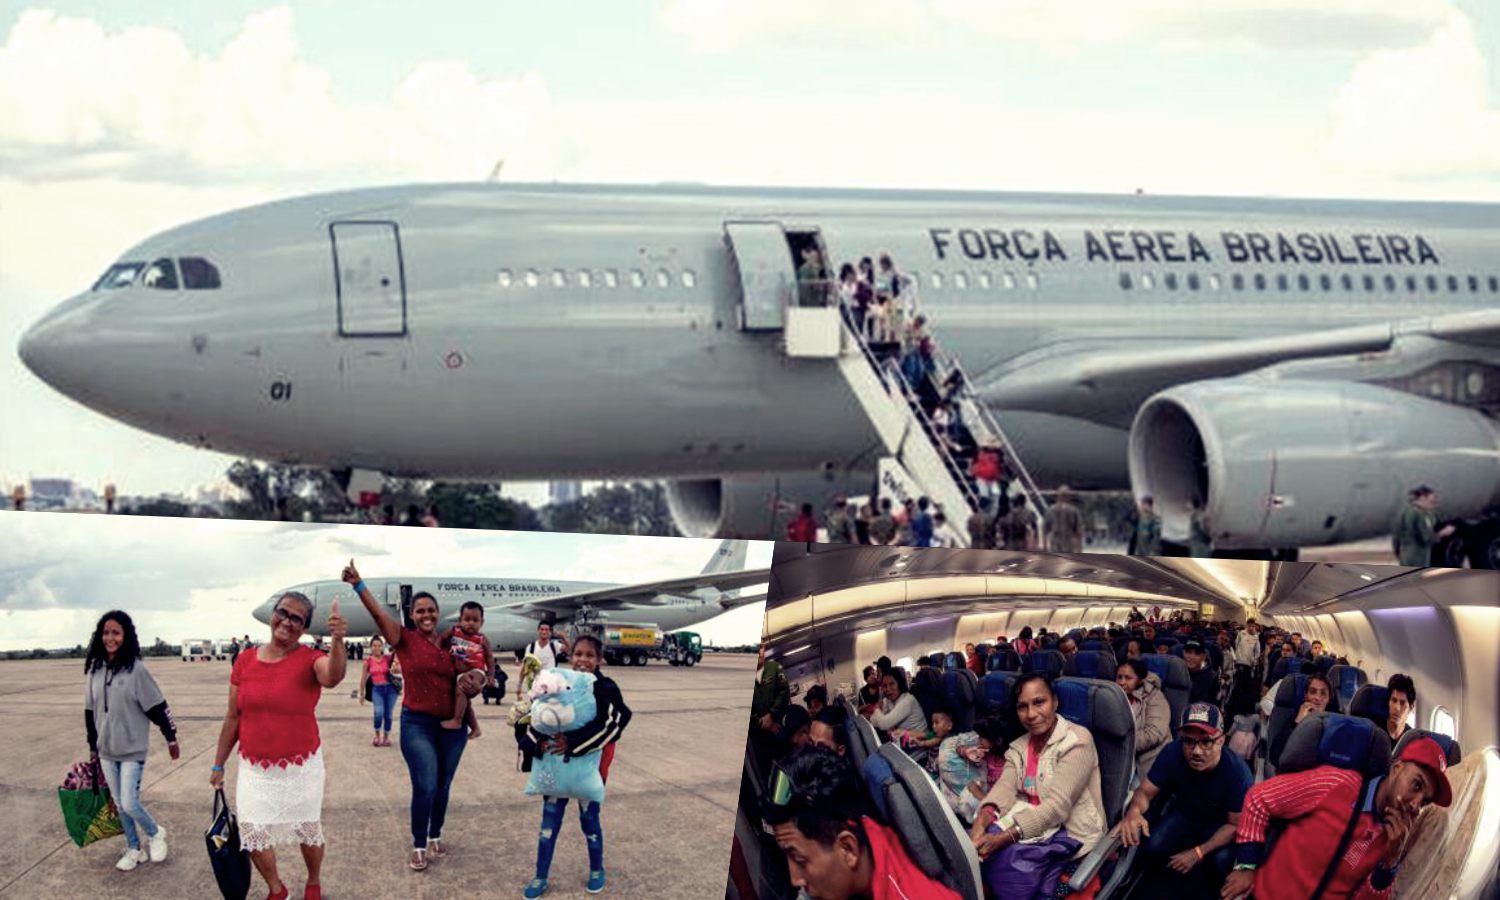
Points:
(1295, 365)
(833, 610)
(513, 607)
(204, 650)
(683, 648)
(631, 645)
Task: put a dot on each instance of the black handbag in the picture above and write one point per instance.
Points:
(231, 863)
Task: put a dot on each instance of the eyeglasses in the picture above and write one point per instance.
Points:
(291, 618)
(1190, 744)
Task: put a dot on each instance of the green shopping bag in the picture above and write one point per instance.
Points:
(88, 810)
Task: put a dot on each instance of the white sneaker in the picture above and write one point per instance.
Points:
(158, 845)
(130, 860)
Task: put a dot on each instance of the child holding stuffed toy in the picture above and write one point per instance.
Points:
(600, 733)
(471, 658)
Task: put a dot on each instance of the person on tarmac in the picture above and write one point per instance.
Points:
(1416, 532)
(121, 702)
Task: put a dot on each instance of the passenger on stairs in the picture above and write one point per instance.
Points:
(986, 471)
(1064, 524)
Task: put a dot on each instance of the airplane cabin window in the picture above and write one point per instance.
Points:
(161, 275)
(1346, 282)
(1325, 281)
(1442, 722)
(1411, 283)
(533, 278)
(1032, 280)
(1260, 281)
(1214, 283)
(1303, 284)
(1494, 284)
(960, 281)
(1192, 282)
(1170, 280)
(1239, 281)
(1452, 283)
(611, 278)
(1281, 282)
(984, 280)
(503, 278)
(559, 278)
(936, 280)
(1125, 280)
(1369, 283)
(585, 278)
(1009, 281)
(663, 278)
(1473, 284)
(1432, 283)
(198, 274)
(637, 278)
(1390, 283)
(1146, 282)
(688, 278)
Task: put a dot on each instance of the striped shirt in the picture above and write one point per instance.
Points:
(1315, 805)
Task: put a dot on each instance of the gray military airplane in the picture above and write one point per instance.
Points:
(515, 606)
(1296, 366)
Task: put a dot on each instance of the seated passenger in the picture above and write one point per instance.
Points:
(1189, 846)
(792, 730)
(815, 699)
(834, 850)
(1316, 805)
(1046, 812)
(1149, 708)
(1319, 695)
(828, 730)
(969, 764)
(869, 693)
(1205, 677)
(1133, 649)
(899, 710)
(1067, 647)
(922, 747)
(1403, 693)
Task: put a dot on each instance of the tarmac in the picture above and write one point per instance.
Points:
(668, 815)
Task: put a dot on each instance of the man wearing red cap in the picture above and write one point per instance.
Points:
(1315, 806)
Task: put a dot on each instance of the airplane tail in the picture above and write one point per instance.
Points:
(729, 557)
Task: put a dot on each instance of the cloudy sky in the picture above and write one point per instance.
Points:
(193, 578)
(118, 120)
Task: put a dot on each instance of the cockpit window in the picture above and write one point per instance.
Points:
(198, 274)
(161, 275)
(119, 275)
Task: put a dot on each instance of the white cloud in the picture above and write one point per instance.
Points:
(1418, 112)
(891, 27)
(76, 99)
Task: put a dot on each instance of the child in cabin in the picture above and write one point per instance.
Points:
(471, 656)
(923, 748)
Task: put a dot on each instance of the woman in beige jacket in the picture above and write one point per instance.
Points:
(1051, 779)
(1149, 707)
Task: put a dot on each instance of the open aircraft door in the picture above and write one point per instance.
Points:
(768, 274)
(369, 279)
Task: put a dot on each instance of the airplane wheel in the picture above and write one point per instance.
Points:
(1486, 552)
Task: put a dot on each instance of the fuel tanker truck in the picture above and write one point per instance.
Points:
(634, 645)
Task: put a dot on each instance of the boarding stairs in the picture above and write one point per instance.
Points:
(920, 457)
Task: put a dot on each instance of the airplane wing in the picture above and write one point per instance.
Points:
(1108, 385)
(643, 595)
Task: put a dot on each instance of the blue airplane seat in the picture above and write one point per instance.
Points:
(1288, 700)
(1449, 745)
(996, 690)
(1006, 660)
(1346, 680)
(960, 692)
(1334, 739)
(907, 799)
(1095, 644)
(1325, 662)
(1372, 701)
(1098, 664)
(1047, 662)
(1283, 667)
(1177, 650)
(1101, 707)
(1176, 683)
(862, 738)
(954, 660)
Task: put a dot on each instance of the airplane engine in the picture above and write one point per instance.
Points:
(756, 507)
(1282, 464)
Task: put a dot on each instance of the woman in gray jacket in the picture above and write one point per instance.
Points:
(1149, 708)
(120, 704)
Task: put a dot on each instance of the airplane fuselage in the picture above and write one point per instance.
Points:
(536, 331)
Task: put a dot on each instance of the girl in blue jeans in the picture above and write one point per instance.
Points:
(380, 680)
(121, 702)
(599, 734)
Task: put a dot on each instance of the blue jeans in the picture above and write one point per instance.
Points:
(1175, 832)
(124, 780)
(383, 698)
(432, 753)
(553, 809)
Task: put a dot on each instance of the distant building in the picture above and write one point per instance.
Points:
(50, 493)
(564, 491)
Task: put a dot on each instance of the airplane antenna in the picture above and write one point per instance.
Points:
(495, 172)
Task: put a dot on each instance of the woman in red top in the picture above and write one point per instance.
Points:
(273, 693)
(431, 751)
(382, 690)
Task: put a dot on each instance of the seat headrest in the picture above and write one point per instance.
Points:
(1293, 688)
(1093, 664)
(953, 660)
(1449, 745)
(1073, 702)
(1095, 644)
(1371, 701)
(877, 774)
(1171, 671)
(1332, 739)
(1281, 667)
(1003, 660)
(1325, 662)
(1047, 662)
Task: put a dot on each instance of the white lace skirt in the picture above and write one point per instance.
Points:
(279, 805)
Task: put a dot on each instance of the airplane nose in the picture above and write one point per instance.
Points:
(262, 613)
(52, 348)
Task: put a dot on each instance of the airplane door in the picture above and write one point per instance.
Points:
(768, 274)
(369, 279)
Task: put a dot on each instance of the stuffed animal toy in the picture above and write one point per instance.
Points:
(562, 700)
(520, 711)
